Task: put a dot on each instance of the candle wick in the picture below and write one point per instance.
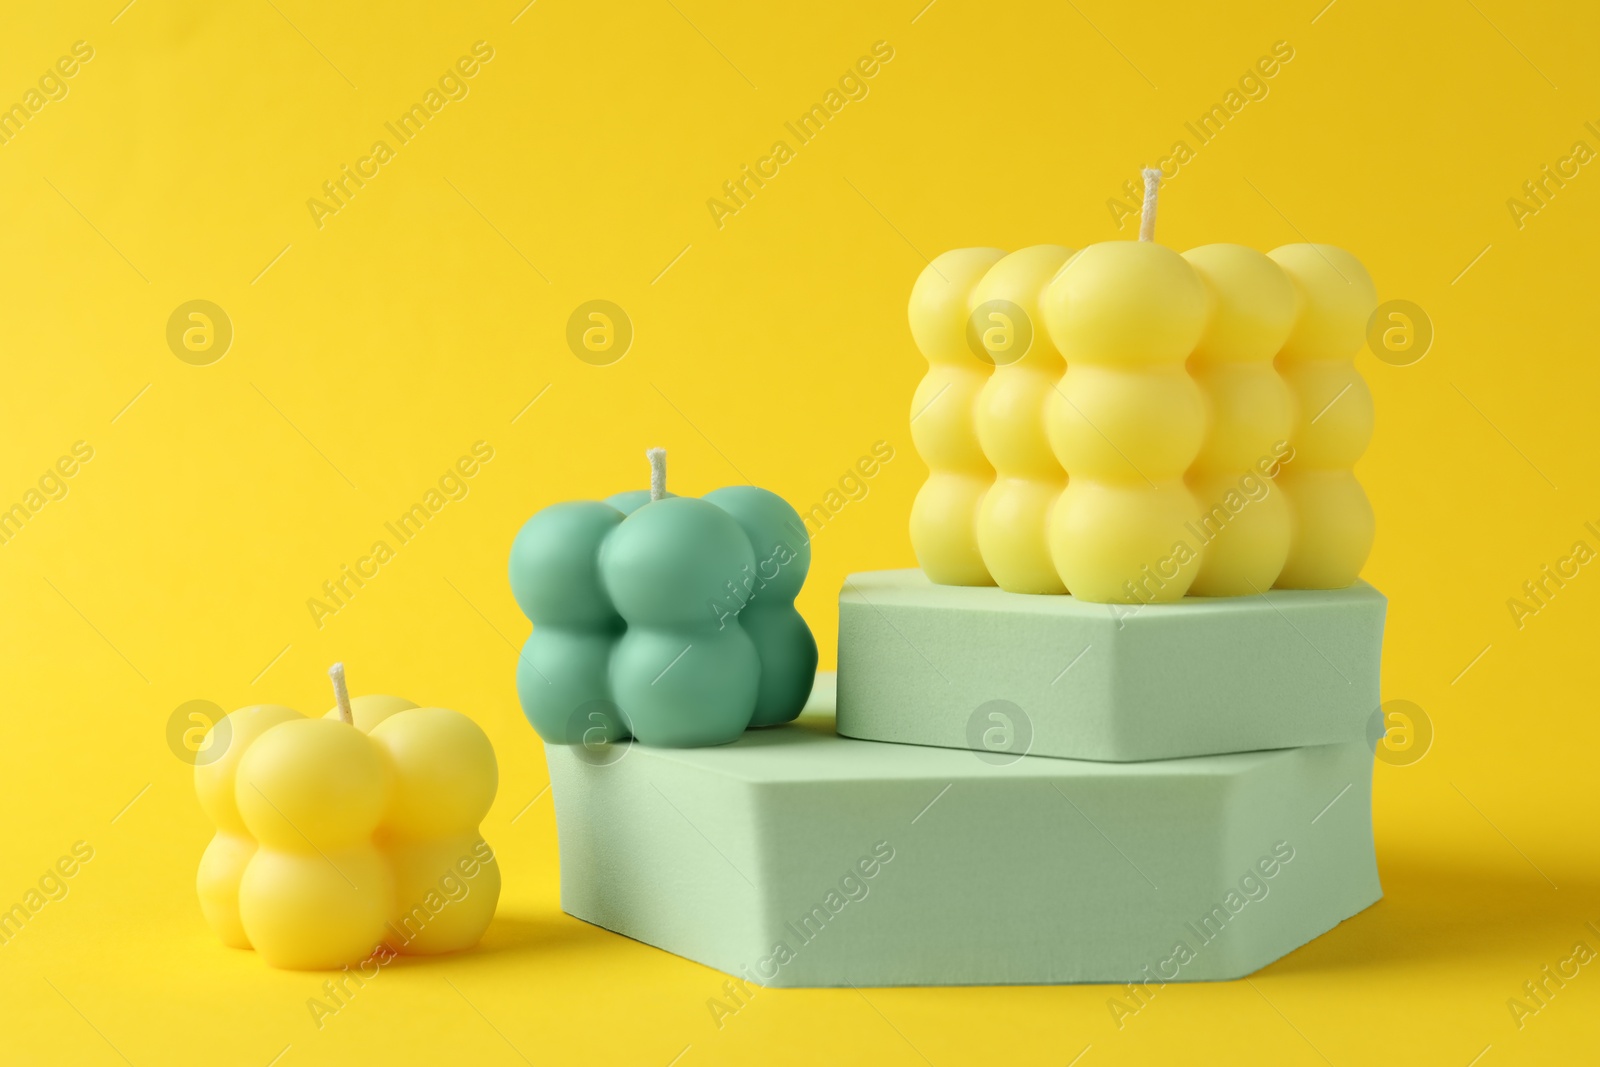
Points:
(341, 695)
(658, 472)
(1147, 221)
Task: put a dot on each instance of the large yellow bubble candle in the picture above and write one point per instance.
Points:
(1131, 425)
(341, 834)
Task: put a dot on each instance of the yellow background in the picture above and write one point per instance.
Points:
(416, 321)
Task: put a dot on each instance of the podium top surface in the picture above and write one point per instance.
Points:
(808, 750)
(911, 586)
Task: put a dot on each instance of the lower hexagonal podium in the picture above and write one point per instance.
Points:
(795, 857)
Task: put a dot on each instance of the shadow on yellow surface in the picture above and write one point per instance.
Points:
(544, 933)
(1437, 911)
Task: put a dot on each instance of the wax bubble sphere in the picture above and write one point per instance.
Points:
(337, 837)
(1126, 421)
(445, 778)
(1333, 521)
(1247, 526)
(317, 893)
(225, 858)
(669, 620)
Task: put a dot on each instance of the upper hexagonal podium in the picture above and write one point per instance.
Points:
(965, 667)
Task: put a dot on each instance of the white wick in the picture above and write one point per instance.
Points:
(341, 695)
(1147, 221)
(658, 472)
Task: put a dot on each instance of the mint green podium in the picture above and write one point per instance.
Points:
(797, 857)
(967, 667)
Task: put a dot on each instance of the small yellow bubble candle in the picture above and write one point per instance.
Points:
(1131, 425)
(339, 834)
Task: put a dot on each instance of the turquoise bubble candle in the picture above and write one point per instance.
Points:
(664, 618)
